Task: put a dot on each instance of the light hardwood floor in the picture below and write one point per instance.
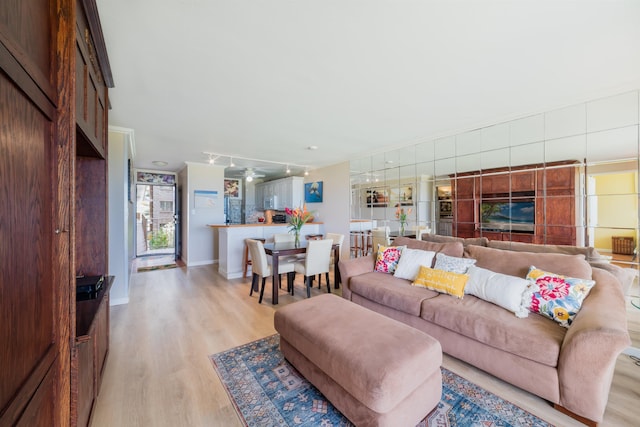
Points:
(158, 372)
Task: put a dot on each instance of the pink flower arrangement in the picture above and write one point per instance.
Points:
(298, 217)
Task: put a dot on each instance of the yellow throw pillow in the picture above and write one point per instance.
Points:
(441, 281)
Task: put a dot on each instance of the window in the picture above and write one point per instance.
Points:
(166, 205)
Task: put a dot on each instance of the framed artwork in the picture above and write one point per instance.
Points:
(402, 195)
(204, 199)
(155, 178)
(232, 188)
(377, 197)
(313, 192)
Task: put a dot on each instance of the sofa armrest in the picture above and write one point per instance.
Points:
(353, 267)
(591, 346)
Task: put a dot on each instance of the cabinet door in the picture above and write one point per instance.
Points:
(259, 197)
(85, 353)
(34, 261)
(465, 188)
(496, 184)
(523, 181)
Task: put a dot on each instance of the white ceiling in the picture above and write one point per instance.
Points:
(267, 79)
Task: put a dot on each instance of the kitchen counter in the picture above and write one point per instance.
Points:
(231, 242)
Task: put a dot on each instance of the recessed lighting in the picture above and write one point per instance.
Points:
(389, 162)
(160, 163)
(312, 147)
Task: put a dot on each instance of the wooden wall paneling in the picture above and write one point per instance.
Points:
(41, 410)
(91, 216)
(84, 386)
(26, 222)
(551, 186)
(28, 32)
(523, 181)
(34, 370)
(64, 260)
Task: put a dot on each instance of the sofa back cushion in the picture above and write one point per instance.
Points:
(450, 248)
(518, 263)
(478, 241)
(589, 252)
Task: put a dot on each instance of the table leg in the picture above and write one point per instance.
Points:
(336, 271)
(275, 280)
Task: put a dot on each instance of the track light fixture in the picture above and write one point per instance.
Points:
(215, 156)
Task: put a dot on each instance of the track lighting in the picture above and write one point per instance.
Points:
(231, 164)
(288, 170)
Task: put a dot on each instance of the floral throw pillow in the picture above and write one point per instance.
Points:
(388, 257)
(557, 297)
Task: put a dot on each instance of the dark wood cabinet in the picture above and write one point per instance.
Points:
(42, 182)
(92, 347)
(550, 186)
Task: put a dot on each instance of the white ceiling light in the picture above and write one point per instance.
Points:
(288, 170)
(231, 164)
(159, 163)
(249, 178)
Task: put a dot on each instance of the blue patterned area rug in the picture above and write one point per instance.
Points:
(267, 391)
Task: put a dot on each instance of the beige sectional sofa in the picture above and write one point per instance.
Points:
(571, 368)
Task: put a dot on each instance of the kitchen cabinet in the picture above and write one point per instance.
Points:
(288, 192)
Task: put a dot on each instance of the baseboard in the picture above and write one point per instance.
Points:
(118, 301)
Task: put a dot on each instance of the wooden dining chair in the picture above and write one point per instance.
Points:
(316, 262)
(260, 267)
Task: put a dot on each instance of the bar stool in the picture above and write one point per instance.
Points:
(245, 257)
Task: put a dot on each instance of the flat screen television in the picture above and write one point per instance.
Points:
(516, 216)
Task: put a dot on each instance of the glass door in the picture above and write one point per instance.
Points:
(156, 219)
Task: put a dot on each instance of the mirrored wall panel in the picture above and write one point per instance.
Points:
(563, 177)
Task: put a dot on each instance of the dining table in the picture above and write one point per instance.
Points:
(283, 249)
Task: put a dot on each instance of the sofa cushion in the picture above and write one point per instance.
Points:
(450, 248)
(479, 241)
(591, 254)
(557, 297)
(443, 281)
(410, 262)
(500, 289)
(518, 263)
(387, 258)
(453, 264)
(390, 291)
(535, 338)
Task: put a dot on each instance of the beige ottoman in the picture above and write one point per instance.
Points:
(375, 370)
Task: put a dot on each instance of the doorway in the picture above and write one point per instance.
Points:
(156, 221)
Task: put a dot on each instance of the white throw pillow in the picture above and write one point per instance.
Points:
(410, 262)
(452, 263)
(500, 289)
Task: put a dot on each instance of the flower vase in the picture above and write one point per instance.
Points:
(402, 229)
(297, 238)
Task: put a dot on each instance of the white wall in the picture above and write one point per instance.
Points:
(121, 214)
(334, 211)
(197, 237)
